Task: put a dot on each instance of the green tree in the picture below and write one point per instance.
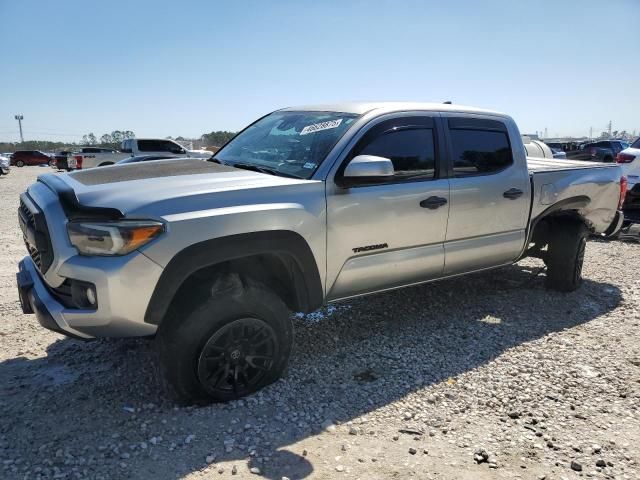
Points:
(217, 138)
(89, 139)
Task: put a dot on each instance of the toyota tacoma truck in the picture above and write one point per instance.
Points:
(304, 207)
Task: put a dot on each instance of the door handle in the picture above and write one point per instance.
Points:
(433, 202)
(512, 193)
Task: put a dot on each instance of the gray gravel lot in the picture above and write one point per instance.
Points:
(486, 376)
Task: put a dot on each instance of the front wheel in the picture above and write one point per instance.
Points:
(236, 342)
(565, 256)
(19, 163)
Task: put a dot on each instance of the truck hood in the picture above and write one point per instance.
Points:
(169, 186)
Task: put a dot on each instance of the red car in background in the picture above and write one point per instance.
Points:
(30, 157)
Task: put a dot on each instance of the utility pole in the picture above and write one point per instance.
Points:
(20, 118)
(545, 132)
(590, 133)
(609, 128)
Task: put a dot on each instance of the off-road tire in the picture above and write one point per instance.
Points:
(230, 304)
(565, 255)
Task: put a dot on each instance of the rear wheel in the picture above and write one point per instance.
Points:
(237, 341)
(19, 163)
(565, 256)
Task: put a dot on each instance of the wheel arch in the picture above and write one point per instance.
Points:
(569, 209)
(282, 258)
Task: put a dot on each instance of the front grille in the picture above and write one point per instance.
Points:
(35, 233)
(35, 256)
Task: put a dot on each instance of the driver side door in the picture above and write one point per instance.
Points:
(389, 233)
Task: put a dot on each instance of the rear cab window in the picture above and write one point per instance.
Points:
(479, 146)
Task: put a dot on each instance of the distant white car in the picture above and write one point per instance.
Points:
(629, 160)
(4, 165)
(557, 153)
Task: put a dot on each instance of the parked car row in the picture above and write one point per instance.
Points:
(600, 151)
(90, 157)
(4, 164)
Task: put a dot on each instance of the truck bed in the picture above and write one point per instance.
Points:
(536, 165)
(591, 187)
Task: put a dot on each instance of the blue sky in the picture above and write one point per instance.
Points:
(185, 68)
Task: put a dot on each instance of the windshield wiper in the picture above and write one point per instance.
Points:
(261, 169)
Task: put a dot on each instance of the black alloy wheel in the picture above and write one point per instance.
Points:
(237, 357)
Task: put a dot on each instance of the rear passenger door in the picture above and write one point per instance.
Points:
(489, 194)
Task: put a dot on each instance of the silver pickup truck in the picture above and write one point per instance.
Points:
(305, 206)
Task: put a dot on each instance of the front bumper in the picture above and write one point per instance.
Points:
(36, 299)
(123, 286)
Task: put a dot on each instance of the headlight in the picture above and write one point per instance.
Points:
(112, 238)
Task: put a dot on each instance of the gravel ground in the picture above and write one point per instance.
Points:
(487, 376)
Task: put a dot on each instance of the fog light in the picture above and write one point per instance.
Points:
(84, 294)
(91, 296)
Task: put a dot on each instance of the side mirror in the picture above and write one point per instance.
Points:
(370, 167)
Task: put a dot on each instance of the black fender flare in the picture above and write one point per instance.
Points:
(215, 251)
(568, 204)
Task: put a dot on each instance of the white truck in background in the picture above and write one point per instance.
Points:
(90, 157)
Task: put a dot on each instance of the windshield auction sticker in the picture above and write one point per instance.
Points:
(316, 127)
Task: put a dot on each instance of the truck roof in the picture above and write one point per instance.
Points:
(360, 108)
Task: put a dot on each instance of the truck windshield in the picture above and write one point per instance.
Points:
(290, 144)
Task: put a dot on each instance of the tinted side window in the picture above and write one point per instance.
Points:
(412, 151)
(156, 146)
(479, 152)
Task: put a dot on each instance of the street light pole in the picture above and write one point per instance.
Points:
(19, 118)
